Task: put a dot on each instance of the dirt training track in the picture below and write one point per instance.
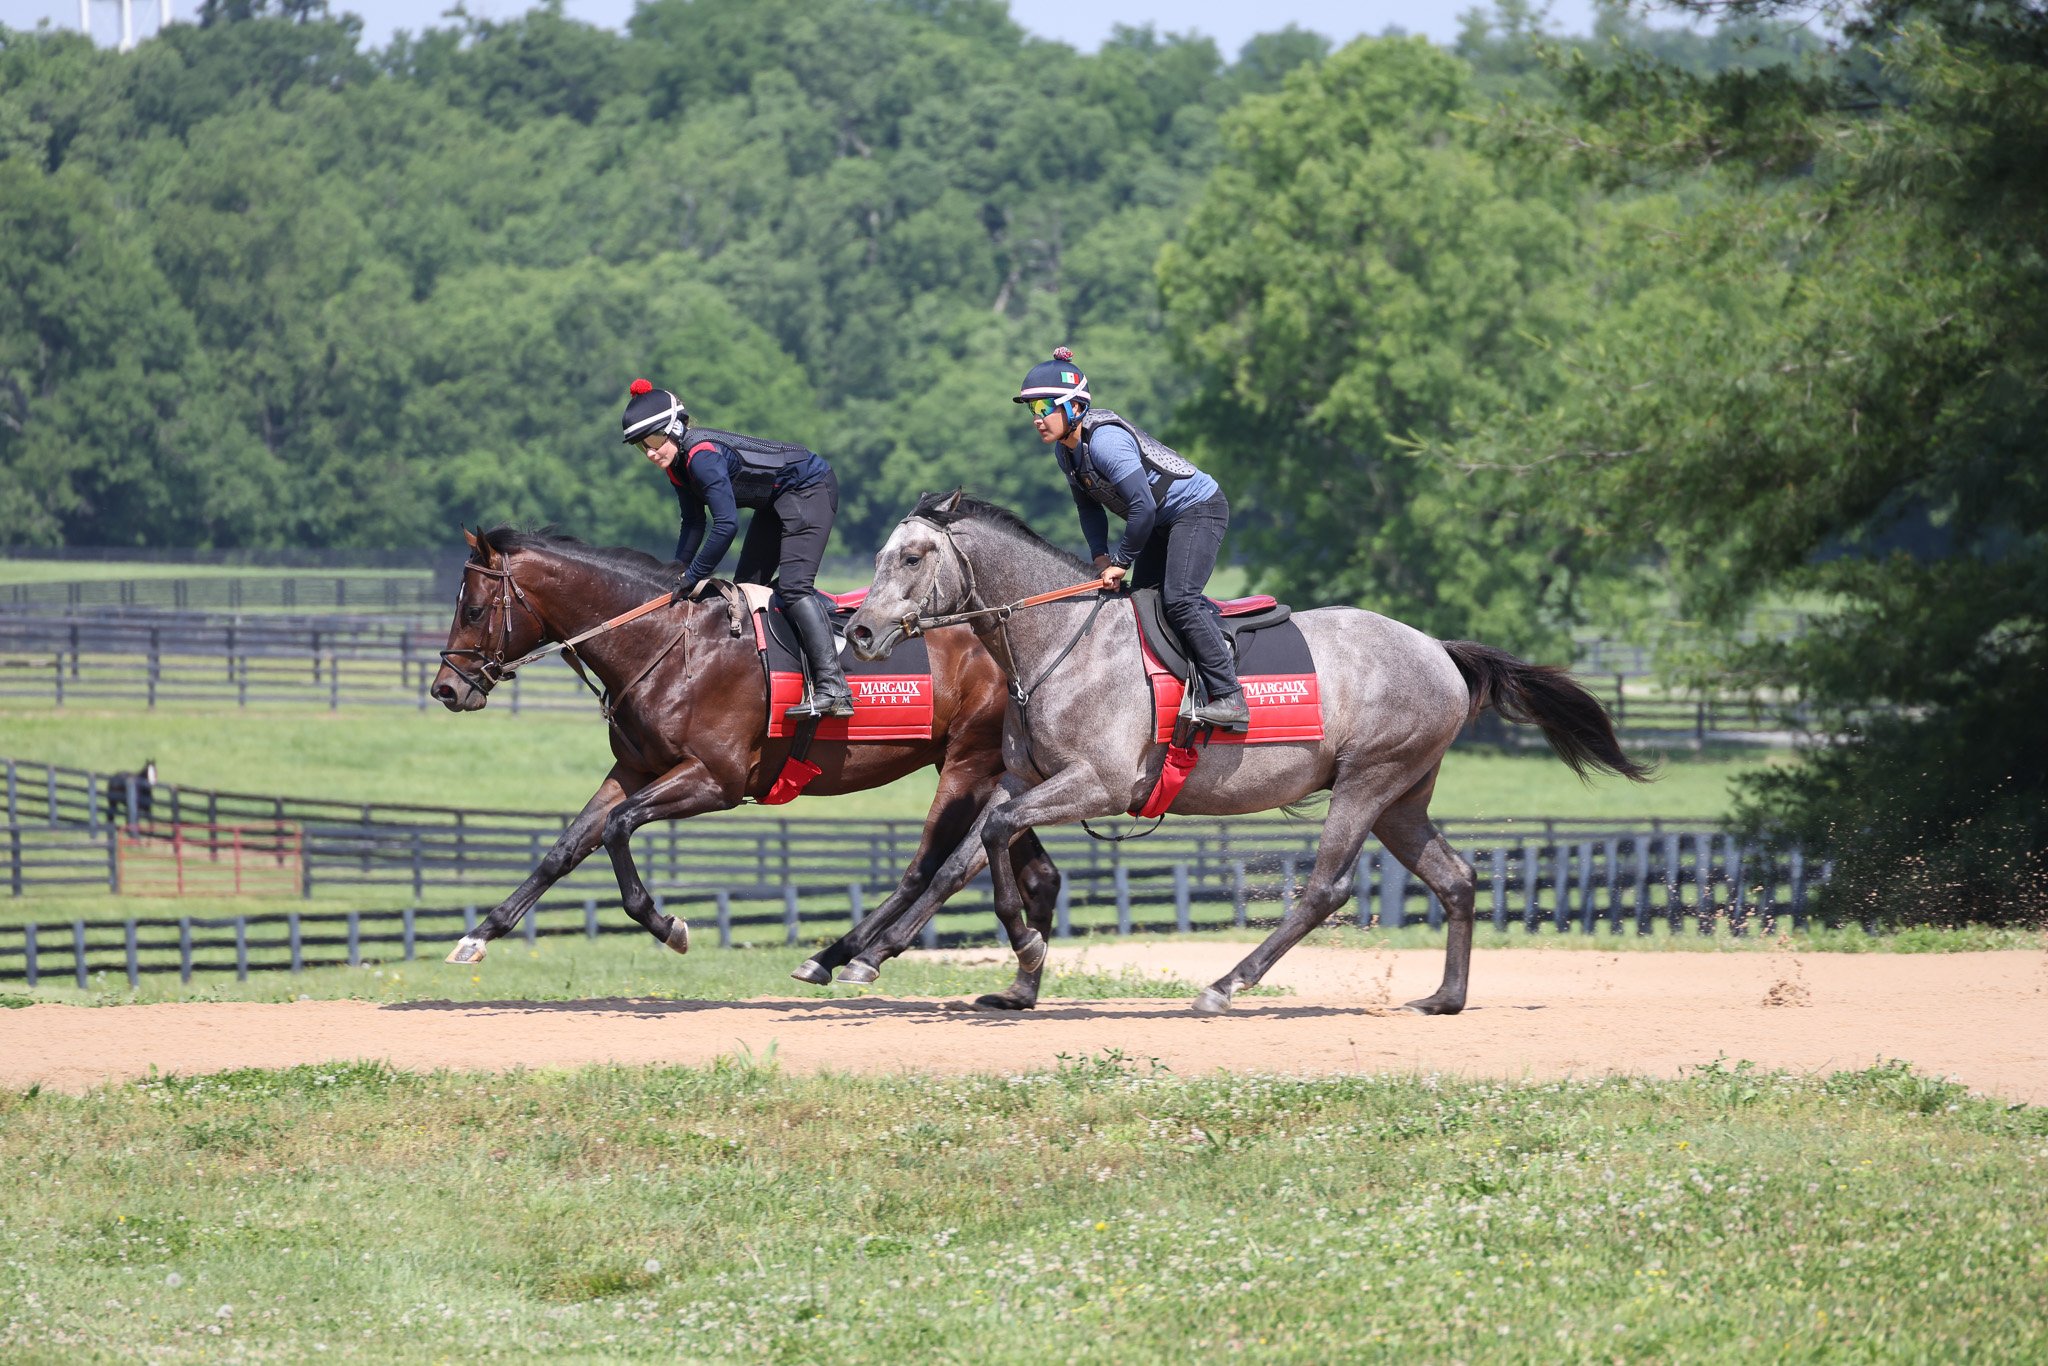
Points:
(1980, 1017)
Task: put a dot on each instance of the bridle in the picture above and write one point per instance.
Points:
(493, 668)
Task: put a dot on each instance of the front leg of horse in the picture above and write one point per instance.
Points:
(685, 790)
(1040, 881)
(584, 834)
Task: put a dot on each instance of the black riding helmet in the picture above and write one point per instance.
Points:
(653, 412)
(1058, 381)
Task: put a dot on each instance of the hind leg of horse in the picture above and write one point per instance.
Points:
(577, 843)
(1355, 802)
(955, 810)
(1409, 835)
(686, 790)
(1040, 881)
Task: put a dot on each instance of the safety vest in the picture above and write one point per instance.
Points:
(1161, 461)
(761, 461)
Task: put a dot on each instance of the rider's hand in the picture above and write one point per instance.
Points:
(683, 589)
(1112, 575)
(1101, 563)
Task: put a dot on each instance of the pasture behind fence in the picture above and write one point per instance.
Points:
(1619, 885)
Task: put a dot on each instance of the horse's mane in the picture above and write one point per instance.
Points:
(975, 510)
(637, 566)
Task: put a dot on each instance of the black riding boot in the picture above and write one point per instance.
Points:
(829, 695)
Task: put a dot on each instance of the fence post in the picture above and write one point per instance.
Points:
(590, 917)
(241, 948)
(1498, 868)
(155, 663)
(532, 923)
(1588, 912)
(1238, 912)
(724, 900)
(930, 937)
(790, 924)
(468, 920)
(78, 952)
(1611, 854)
(1674, 901)
(13, 796)
(30, 968)
(185, 948)
(134, 802)
(14, 859)
(114, 859)
(298, 954)
(92, 801)
(1529, 875)
(1393, 891)
(355, 939)
(408, 918)
(1738, 891)
(134, 967)
(1183, 913)
(1122, 877)
(1062, 913)
(1641, 851)
(853, 902)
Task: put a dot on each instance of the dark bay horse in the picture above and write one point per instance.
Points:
(688, 714)
(1392, 700)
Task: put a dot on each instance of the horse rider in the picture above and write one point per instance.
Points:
(1174, 519)
(794, 495)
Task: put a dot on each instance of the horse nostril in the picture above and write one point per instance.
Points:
(861, 635)
(445, 691)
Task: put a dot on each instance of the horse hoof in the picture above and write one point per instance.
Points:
(678, 934)
(1212, 1002)
(810, 971)
(1003, 1000)
(859, 974)
(468, 949)
(1031, 953)
(1434, 1005)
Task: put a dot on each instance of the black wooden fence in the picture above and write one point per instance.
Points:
(187, 658)
(357, 591)
(64, 828)
(1620, 884)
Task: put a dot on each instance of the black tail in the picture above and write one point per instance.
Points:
(1544, 695)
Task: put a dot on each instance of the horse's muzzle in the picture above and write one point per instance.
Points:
(870, 646)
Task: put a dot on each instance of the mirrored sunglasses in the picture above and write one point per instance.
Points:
(1039, 407)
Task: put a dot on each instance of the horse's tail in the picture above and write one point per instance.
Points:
(1544, 695)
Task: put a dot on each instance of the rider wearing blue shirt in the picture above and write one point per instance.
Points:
(1174, 519)
(795, 497)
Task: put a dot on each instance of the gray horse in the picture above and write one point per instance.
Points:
(1078, 741)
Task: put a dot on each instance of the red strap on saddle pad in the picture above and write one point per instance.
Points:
(796, 775)
(1173, 776)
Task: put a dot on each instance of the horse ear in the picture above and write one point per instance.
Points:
(951, 502)
(470, 536)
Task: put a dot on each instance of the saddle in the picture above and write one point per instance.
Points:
(1241, 617)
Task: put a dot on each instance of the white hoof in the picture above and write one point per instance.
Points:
(1212, 1002)
(1031, 955)
(679, 934)
(859, 974)
(468, 949)
(810, 971)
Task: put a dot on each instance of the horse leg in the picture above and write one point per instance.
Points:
(686, 790)
(1409, 835)
(583, 836)
(961, 867)
(954, 810)
(1040, 881)
(1072, 794)
(1355, 802)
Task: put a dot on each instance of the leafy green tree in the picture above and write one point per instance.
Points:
(1358, 275)
(1829, 386)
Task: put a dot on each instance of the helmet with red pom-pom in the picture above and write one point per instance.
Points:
(1059, 381)
(653, 412)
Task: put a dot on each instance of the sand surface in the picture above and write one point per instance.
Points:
(1979, 1017)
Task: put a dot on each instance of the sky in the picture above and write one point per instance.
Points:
(1084, 25)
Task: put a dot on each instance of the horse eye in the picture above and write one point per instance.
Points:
(472, 615)
(911, 559)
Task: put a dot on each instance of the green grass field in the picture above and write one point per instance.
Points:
(1102, 1211)
(553, 761)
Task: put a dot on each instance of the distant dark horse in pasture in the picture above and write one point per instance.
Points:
(688, 712)
(1392, 700)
